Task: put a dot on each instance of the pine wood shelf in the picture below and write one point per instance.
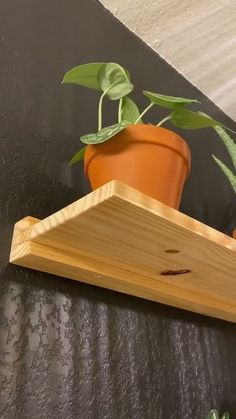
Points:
(120, 239)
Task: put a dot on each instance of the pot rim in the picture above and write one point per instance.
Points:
(184, 152)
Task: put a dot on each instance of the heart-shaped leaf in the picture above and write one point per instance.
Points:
(84, 75)
(78, 156)
(104, 134)
(230, 176)
(129, 111)
(114, 80)
(169, 102)
(228, 142)
(183, 118)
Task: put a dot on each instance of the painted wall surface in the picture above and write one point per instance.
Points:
(197, 37)
(73, 351)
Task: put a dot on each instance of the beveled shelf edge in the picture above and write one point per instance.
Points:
(53, 261)
(129, 194)
(28, 253)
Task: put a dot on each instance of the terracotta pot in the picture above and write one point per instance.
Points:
(234, 234)
(154, 160)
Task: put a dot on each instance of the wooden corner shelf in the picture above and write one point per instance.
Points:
(120, 239)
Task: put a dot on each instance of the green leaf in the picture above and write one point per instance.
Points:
(129, 111)
(169, 102)
(228, 142)
(84, 75)
(104, 134)
(183, 118)
(213, 414)
(78, 156)
(114, 80)
(230, 176)
(226, 415)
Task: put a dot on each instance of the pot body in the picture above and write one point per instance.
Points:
(154, 160)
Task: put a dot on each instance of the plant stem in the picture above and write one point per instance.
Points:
(120, 109)
(144, 112)
(100, 106)
(167, 118)
(100, 111)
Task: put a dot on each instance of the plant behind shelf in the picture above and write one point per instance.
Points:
(113, 81)
(213, 414)
(231, 148)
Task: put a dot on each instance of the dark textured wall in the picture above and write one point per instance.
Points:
(68, 350)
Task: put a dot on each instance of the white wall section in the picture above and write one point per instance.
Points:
(197, 37)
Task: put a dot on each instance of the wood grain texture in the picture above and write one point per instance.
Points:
(118, 238)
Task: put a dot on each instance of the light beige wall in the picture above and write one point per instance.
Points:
(197, 37)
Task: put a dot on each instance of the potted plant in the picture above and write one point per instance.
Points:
(213, 414)
(231, 148)
(148, 157)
